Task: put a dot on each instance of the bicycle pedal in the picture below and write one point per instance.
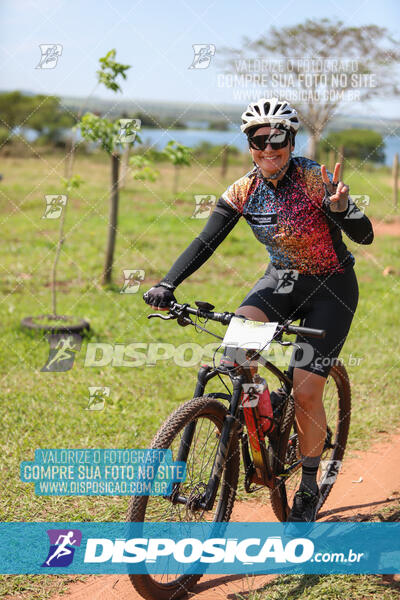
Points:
(255, 488)
(249, 480)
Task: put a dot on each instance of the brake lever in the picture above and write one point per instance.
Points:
(278, 336)
(164, 318)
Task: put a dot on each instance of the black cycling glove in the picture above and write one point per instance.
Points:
(160, 295)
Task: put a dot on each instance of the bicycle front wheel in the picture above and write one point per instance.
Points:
(206, 415)
(337, 404)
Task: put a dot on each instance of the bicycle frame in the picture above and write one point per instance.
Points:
(258, 468)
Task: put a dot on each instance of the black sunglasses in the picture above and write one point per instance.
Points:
(277, 140)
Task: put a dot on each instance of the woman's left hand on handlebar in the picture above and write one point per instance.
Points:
(159, 297)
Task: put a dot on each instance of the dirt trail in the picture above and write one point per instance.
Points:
(382, 228)
(369, 481)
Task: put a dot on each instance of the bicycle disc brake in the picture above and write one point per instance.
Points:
(193, 508)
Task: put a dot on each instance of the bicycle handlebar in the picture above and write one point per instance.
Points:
(224, 318)
(180, 312)
(306, 331)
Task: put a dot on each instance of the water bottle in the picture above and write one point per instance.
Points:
(278, 399)
(264, 405)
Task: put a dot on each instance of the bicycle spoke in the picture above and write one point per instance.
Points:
(199, 463)
(200, 459)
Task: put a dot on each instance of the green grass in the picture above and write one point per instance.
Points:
(45, 410)
(326, 587)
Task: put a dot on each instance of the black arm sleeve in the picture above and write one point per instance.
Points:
(354, 223)
(221, 221)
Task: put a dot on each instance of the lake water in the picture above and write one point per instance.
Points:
(192, 137)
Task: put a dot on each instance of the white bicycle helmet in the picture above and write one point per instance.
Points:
(270, 111)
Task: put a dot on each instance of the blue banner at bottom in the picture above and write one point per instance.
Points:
(186, 548)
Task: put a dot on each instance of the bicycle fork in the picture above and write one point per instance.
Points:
(230, 422)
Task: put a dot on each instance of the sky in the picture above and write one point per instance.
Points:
(156, 38)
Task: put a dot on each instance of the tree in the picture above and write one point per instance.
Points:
(180, 156)
(69, 184)
(15, 108)
(143, 169)
(221, 125)
(42, 113)
(56, 207)
(107, 74)
(4, 136)
(48, 118)
(360, 144)
(371, 57)
(109, 71)
(108, 133)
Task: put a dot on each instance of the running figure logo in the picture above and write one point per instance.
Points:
(97, 396)
(61, 551)
(203, 54)
(330, 470)
(132, 280)
(50, 55)
(204, 204)
(357, 206)
(128, 130)
(287, 279)
(54, 205)
(251, 394)
(62, 352)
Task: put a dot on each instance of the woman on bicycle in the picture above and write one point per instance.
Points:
(297, 211)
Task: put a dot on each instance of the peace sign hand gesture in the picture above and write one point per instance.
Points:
(336, 192)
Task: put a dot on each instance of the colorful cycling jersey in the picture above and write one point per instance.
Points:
(292, 220)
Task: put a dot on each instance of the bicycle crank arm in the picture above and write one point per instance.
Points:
(249, 468)
(289, 470)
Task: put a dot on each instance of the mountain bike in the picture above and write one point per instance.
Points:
(213, 429)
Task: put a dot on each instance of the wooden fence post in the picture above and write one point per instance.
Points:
(340, 159)
(224, 161)
(113, 220)
(395, 179)
(331, 161)
(124, 167)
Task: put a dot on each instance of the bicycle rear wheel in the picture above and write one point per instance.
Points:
(209, 415)
(337, 404)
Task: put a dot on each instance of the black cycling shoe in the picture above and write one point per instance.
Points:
(304, 507)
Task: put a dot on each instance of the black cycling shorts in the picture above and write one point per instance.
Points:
(320, 301)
